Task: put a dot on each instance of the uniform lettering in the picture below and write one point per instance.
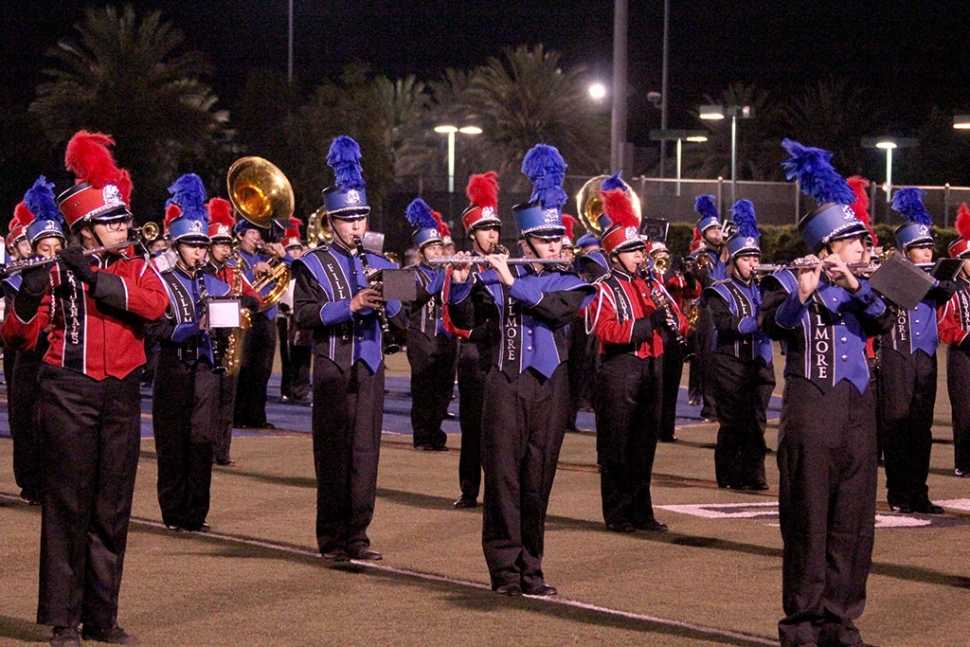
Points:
(821, 348)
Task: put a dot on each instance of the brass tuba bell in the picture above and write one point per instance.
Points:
(261, 194)
(589, 204)
(318, 228)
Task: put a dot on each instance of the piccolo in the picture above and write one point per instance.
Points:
(455, 260)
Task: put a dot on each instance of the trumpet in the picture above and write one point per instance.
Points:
(143, 234)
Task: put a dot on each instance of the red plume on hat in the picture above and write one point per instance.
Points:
(172, 211)
(220, 212)
(860, 206)
(623, 231)
(482, 191)
(960, 247)
(569, 222)
(88, 157)
(443, 229)
(22, 217)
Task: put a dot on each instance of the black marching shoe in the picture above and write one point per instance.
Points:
(541, 590)
(621, 525)
(365, 554)
(928, 507)
(650, 525)
(115, 636)
(511, 590)
(65, 637)
(465, 501)
(336, 555)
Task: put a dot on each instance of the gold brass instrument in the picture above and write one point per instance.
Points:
(318, 228)
(233, 342)
(589, 204)
(661, 264)
(261, 194)
(143, 234)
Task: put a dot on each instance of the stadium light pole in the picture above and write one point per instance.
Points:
(450, 130)
(718, 112)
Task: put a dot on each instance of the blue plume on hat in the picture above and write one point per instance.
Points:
(419, 215)
(188, 194)
(815, 174)
(39, 199)
(613, 182)
(706, 207)
(909, 203)
(745, 219)
(344, 158)
(546, 169)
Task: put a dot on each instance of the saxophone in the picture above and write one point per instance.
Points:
(232, 343)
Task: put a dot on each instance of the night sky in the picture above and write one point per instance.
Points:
(918, 53)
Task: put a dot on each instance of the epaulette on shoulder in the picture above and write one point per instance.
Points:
(319, 248)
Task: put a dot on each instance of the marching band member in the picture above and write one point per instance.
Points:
(906, 379)
(484, 227)
(295, 344)
(430, 348)
(185, 400)
(255, 255)
(630, 309)
(954, 330)
(526, 389)
(39, 223)
(743, 375)
(709, 267)
(89, 400)
(334, 299)
(681, 289)
(224, 266)
(827, 439)
(17, 247)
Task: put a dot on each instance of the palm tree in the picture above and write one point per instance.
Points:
(132, 79)
(525, 99)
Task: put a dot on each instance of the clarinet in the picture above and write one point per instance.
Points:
(661, 301)
(389, 346)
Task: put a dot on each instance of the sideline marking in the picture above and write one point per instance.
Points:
(432, 577)
(769, 511)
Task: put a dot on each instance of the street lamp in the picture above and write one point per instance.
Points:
(716, 113)
(961, 122)
(889, 144)
(680, 136)
(450, 131)
(597, 91)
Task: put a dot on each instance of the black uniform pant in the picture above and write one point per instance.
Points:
(259, 348)
(627, 402)
(91, 442)
(673, 370)
(22, 389)
(704, 340)
(347, 415)
(583, 362)
(957, 376)
(432, 385)
(827, 500)
(185, 417)
(225, 405)
(742, 391)
(523, 423)
(472, 369)
(906, 399)
(294, 362)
